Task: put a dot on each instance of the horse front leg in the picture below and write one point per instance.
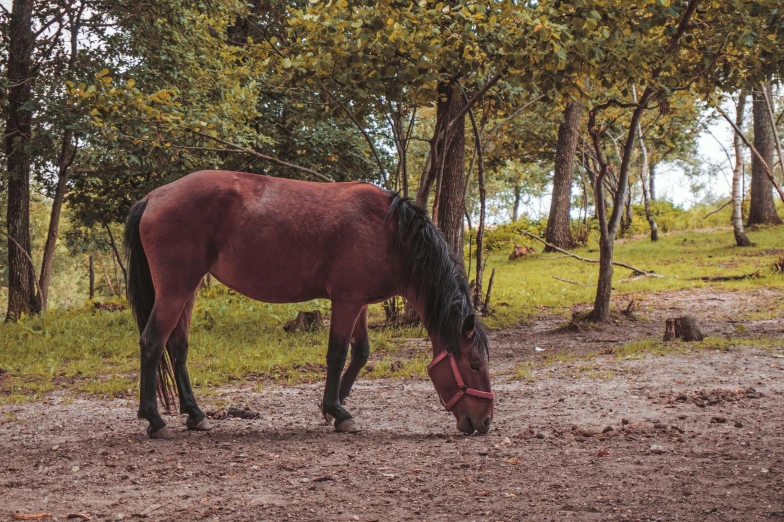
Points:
(344, 317)
(360, 350)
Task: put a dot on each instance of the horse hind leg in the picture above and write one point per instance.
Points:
(178, 344)
(163, 319)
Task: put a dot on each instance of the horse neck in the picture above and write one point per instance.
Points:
(418, 304)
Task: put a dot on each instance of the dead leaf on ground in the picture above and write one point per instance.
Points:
(31, 516)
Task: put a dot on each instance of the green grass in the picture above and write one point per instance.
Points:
(526, 287)
(233, 340)
(236, 340)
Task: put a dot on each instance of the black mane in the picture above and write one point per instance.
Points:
(436, 275)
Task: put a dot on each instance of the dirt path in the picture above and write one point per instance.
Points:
(696, 436)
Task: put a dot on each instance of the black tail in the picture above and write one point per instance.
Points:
(140, 291)
(141, 296)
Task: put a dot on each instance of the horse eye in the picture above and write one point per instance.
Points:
(476, 366)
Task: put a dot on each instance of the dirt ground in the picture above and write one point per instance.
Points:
(695, 436)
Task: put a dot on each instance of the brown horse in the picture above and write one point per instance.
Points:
(285, 241)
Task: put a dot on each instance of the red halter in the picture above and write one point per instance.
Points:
(463, 389)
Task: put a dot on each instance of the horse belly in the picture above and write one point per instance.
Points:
(260, 277)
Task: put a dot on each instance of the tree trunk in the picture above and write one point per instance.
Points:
(609, 227)
(117, 256)
(737, 174)
(21, 274)
(643, 173)
(762, 209)
(450, 199)
(67, 153)
(559, 232)
(651, 182)
(480, 230)
(626, 222)
(92, 277)
(516, 208)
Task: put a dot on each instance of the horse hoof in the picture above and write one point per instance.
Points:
(203, 425)
(162, 434)
(347, 426)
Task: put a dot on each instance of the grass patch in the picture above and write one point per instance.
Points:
(233, 340)
(525, 287)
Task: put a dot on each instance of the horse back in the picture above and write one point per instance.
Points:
(274, 239)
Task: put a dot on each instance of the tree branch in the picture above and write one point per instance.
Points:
(238, 148)
(363, 131)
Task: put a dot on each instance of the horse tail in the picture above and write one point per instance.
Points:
(140, 290)
(141, 296)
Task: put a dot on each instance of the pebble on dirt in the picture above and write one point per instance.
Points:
(656, 449)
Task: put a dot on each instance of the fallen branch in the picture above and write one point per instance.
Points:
(639, 271)
(568, 281)
(726, 278)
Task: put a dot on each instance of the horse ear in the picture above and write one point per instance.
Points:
(469, 323)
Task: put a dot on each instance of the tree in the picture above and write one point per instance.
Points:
(762, 210)
(18, 132)
(737, 174)
(559, 231)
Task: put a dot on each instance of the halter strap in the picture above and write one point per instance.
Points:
(462, 388)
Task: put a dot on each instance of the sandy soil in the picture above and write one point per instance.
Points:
(696, 436)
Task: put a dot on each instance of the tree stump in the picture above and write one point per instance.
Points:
(305, 322)
(684, 328)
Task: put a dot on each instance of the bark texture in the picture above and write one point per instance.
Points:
(450, 190)
(559, 232)
(21, 273)
(762, 210)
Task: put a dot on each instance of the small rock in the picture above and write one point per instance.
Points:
(506, 441)
(607, 429)
(656, 449)
(602, 453)
(537, 349)
(738, 424)
(625, 421)
(718, 420)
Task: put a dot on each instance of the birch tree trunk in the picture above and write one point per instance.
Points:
(737, 174)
